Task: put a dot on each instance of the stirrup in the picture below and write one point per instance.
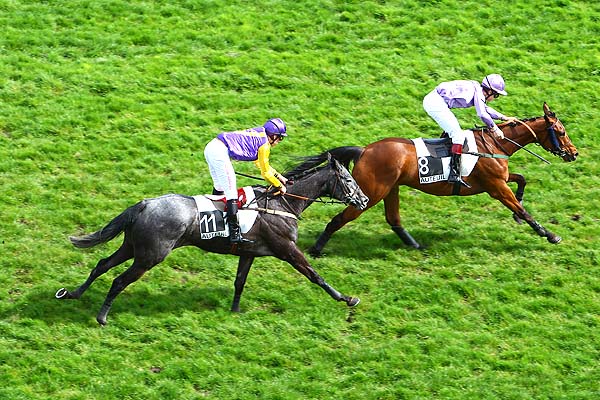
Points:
(458, 179)
(239, 240)
(465, 184)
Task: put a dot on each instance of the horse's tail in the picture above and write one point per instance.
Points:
(347, 154)
(110, 231)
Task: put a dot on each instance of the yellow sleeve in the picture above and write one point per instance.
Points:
(266, 171)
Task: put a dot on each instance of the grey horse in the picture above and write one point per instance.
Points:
(155, 227)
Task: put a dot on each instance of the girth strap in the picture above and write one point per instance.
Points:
(486, 155)
(273, 212)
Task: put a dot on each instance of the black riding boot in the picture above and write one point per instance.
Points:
(454, 175)
(235, 236)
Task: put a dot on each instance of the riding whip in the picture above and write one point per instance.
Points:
(527, 150)
(249, 176)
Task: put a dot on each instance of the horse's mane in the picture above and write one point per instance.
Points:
(308, 165)
(483, 128)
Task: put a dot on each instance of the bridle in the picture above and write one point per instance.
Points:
(348, 194)
(556, 149)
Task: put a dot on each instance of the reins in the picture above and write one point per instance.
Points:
(317, 199)
(487, 155)
(528, 127)
(307, 172)
(523, 147)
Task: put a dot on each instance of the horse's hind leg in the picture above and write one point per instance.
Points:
(392, 216)
(294, 256)
(124, 253)
(119, 284)
(244, 264)
(520, 181)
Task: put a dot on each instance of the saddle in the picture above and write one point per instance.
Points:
(211, 210)
(433, 158)
(439, 148)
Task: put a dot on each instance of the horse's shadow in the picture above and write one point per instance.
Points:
(39, 303)
(365, 245)
(361, 245)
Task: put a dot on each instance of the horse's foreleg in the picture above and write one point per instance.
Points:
(131, 275)
(295, 257)
(551, 237)
(506, 197)
(392, 217)
(244, 264)
(124, 253)
(520, 181)
(337, 222)
(406, 237)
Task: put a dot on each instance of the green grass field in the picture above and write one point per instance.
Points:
(106, 102)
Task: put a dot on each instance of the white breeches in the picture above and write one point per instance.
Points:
(221, 169)
(437, 109)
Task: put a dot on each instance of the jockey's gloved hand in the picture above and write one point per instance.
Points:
(282, 190)
(498, 133)
(281, 178)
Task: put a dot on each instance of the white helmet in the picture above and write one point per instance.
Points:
(494, 82)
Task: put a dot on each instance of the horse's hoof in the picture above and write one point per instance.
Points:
(554, 239)
(314, 252)
(353, 301)
(417, 246)
(62, 293)
(101, 321)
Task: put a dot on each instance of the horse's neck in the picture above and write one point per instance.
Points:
(516, 132)
(307, 191)
(526, 132)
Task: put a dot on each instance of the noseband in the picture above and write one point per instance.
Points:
(557, 150)
(348, 194)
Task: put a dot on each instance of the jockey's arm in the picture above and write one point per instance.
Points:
(266, 171)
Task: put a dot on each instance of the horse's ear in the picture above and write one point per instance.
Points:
(331, 160)
(547, 112)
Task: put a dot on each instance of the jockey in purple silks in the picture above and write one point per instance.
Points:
(253, 144)
(465, 94)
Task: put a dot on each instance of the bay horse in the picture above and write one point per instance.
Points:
(155, 227)
(382, 166)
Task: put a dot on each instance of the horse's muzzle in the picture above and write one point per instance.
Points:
(360, 202)
(568, 157)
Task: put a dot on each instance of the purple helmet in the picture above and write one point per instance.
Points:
(494, 82)
(275, 127)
